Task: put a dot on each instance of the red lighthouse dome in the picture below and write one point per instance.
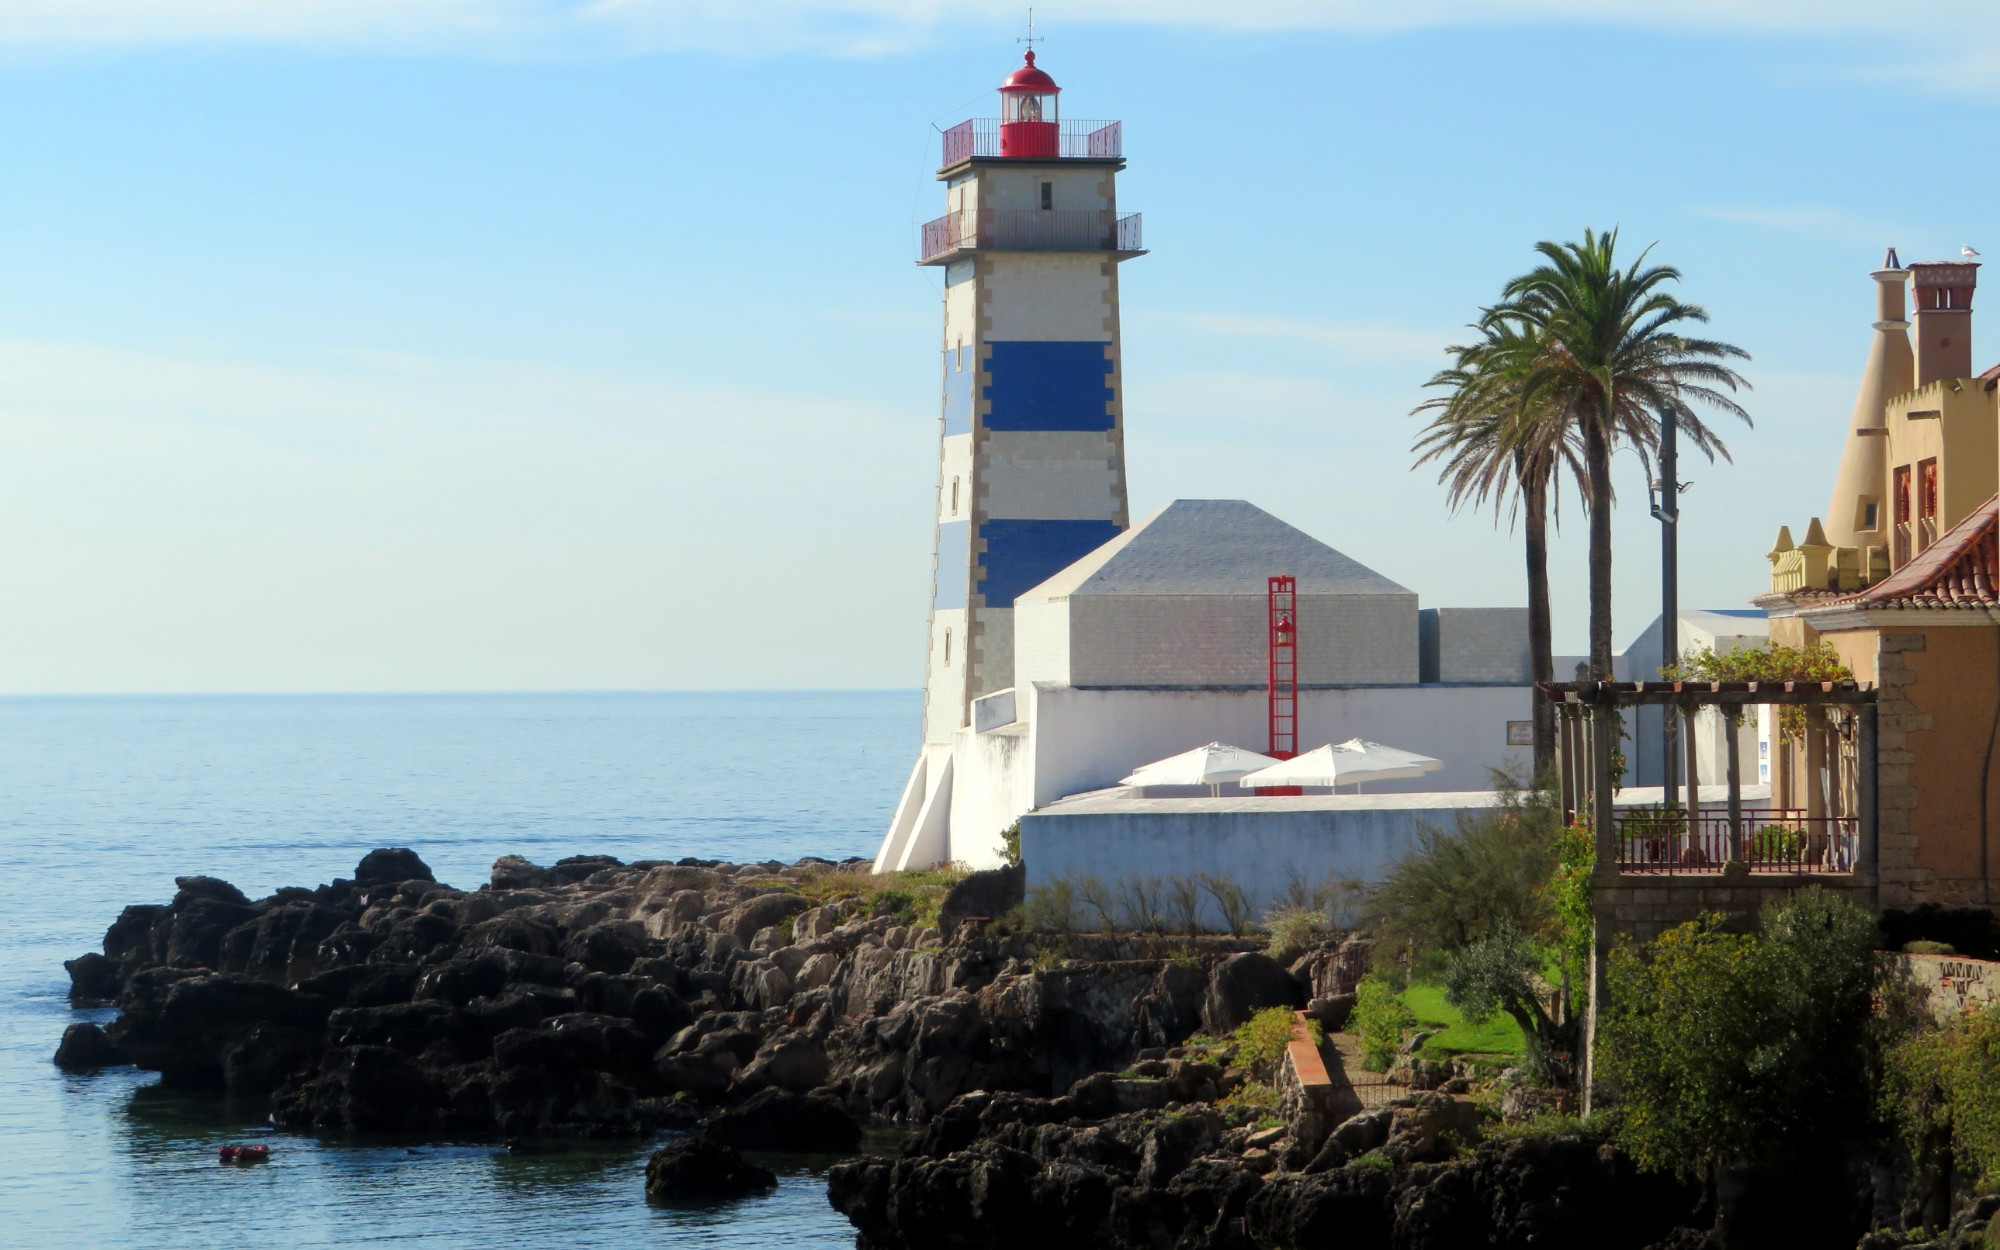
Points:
(1028, 113)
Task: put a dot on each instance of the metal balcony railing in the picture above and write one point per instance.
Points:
(1030, 230)
(1769, 839)
(1077, 139)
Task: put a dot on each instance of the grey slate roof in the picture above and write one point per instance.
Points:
(1213, 547)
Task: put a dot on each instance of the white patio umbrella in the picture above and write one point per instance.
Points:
(1209, 766)
(1355, 760)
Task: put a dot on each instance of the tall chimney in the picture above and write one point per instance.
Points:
(1943, 292)
(1888, 373)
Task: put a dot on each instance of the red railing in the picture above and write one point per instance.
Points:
(1076, 139)
(1030, 230)
(1769, 839)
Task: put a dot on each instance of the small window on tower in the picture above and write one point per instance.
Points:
(1927, 488)
(1870, 514)
(954, 496)
(947, 648)
(958, 357)
(1048, 195)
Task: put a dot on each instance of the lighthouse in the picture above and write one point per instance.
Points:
(1031, 452)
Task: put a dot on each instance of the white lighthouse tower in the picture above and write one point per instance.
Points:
(1031, 460)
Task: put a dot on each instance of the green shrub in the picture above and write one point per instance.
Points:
(1380, 1019)
(1230, 900)
(1183, 902)
(1947, 1080)
(1922, 947)
(1144, 902)
(1261, 1040)
(1732, 1046)
(1376, 1160)
(1461, 885)
(1294, 930)
(1255, 1097)
(1548, 1126)
(1051, 907)
(1101, 900)
(1010, 845)
(1776, 844)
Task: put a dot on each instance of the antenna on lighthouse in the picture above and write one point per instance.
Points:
(1031, 41)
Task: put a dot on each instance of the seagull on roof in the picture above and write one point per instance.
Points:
(1968, 251)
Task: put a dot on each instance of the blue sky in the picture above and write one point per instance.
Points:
(494, 344)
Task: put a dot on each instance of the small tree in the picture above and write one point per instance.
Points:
(1501, 973)
(1466, 884)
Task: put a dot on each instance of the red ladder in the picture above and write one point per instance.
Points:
(1282, 674)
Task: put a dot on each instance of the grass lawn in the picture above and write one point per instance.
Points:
(1498, 1036)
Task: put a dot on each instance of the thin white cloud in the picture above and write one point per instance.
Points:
(865, 27)
(1819, 222)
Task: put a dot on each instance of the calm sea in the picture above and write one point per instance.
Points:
(103, 801)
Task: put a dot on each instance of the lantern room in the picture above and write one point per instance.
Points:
(1028, 113)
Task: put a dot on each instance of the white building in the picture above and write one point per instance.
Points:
(1156, 642)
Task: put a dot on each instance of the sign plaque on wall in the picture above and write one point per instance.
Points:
(1520, 733)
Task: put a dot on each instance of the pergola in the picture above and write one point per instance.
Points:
(1834, 832)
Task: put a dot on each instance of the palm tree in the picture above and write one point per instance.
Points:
(1613, 360)
(1494, 448)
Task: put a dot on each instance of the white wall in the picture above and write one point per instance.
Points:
(991, 786)
(1259, 848)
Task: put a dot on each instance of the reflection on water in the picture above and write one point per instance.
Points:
(104, 801)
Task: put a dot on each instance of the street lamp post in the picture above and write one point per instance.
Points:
(1667, 510)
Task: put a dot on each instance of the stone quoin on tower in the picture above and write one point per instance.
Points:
(1031, 432)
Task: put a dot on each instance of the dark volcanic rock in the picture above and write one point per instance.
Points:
(85, 1047)
(1243, 985)
(214, 888)
(776, 1119)
(991, 893)
(701, 1167)
(373, 1089)
(93, 978)
(390, 866)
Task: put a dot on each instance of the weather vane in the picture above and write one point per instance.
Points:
(1031, 41)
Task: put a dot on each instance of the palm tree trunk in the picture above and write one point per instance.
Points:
(1597, 491)
(1534, 485)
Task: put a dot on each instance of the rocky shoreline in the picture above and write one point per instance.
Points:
(1049, 1082)
(594, 998)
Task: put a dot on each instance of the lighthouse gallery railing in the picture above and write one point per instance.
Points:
(1078, 139)
(1030, 230)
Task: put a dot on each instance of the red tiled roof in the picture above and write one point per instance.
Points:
(1961, 569)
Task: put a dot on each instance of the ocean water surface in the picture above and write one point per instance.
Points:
(103, 801)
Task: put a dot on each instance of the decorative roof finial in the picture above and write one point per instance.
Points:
(1892, 261)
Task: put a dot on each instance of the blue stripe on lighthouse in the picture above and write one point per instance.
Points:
(1021, 555)
(954, 549)
(1049, 386)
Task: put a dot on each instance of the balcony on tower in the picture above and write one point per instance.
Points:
(968, 230)
(1011, 139)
